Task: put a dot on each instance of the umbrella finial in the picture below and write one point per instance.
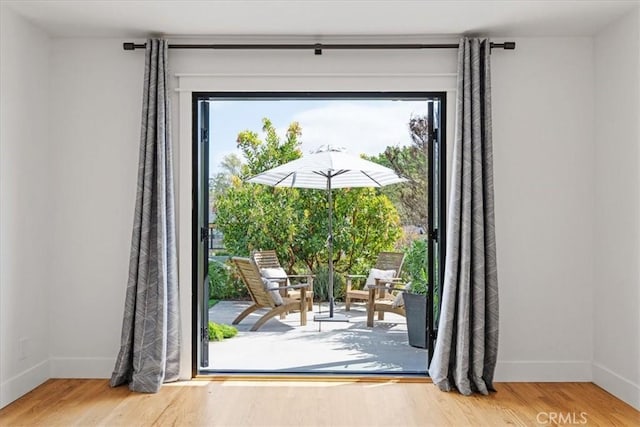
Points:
(329, 147)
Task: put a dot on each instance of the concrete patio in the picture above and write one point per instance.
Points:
(282, 345)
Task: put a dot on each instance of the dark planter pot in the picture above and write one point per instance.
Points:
(415, 306)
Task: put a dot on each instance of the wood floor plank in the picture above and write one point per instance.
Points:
(78, 402)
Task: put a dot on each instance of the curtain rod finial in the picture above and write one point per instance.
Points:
(509, 45)
(133, 46)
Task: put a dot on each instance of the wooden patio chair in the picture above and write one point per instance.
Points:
(269, 260)
(378, 295)
(262, 297)
(381, 300)
(386, 261)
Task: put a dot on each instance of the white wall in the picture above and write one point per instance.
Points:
(96, 96)
(543, 151)
(26, 207)
(616, 351)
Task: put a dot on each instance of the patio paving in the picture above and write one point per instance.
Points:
(282, 345)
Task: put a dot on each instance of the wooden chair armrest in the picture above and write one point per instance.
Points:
(301, 285)
(392, 280)
(289, 276)
(386, 285)
(349, 280)
(383, 287)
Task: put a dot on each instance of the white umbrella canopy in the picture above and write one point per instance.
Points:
(314, 171)
(328, 168)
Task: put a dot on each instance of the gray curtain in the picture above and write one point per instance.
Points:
(467, 344)
(149, 353)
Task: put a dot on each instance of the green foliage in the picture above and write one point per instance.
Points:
(294, 221)
(263, 155)
(220, 331)
(411, 163)
(212, 302)
(223, 284)
(366, 223)
(255, 216)
(415, 266)
(230, 166)
(321, 284)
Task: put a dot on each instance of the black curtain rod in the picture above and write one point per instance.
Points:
(318, 47)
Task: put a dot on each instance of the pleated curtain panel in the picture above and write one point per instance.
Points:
(150, 344)
(467, 344)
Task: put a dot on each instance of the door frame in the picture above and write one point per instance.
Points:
(436, 232)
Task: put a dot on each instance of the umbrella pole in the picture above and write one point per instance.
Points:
(330, 249)
(331, 317)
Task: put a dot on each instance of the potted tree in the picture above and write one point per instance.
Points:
(415, 298)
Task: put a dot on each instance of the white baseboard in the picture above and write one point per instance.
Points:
(82, 367)
(543, 371)
(23, 383)
(617, 385)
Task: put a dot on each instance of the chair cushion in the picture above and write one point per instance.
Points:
(374, 274)
(275, 273)
(273, 288)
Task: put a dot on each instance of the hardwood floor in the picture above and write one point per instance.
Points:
(314, 403)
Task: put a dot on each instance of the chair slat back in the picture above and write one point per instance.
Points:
(390, 261)
(266, 259)
(253, 281)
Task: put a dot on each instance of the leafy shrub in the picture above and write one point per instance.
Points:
(415, 266)
(220, 331)
(223, 284)
(321, 284)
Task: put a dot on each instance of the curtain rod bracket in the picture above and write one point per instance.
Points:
(317, 50)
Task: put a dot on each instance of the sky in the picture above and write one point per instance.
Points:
(359, 126)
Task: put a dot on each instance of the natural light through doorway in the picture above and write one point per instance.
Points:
(242, 137)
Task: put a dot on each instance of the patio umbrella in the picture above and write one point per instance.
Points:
(328, 168)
